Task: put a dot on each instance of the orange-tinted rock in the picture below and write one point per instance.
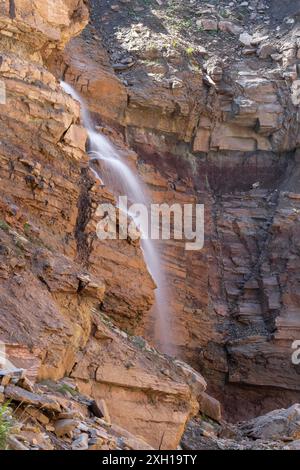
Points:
(39, 24)
(219, 321)
(86, 66)
(47, 205)
(56, 275)
(210, 407)
(139, 385)
(234, 305)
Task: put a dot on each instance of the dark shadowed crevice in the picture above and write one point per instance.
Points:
(83, 217)
(12, 9)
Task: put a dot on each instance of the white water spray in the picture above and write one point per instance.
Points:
(121, 179)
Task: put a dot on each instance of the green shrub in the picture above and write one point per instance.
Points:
(5, 424)
(65, 388)
(190, 50)
(4, 226)
(27, 227)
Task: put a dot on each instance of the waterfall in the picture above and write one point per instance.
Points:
(123, 181)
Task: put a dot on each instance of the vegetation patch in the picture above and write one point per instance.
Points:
(5, 424)
(4, 225)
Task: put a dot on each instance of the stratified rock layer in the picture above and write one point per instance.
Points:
(48, 202)
(214, 121)
(149, 395)
(56, 275)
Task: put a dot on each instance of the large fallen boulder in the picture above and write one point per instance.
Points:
(151, 395)
(278, 424)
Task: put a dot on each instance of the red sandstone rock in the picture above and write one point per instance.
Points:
(210, 407)
(235, 304)
(135, 381)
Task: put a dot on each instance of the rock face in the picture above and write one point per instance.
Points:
(41, 26)
(55, 416)
(125, 382)
(87, 65)
(56, 276)
(285, 423)
(223, 132)
(201, 128)
(139, 385)
(48, 203)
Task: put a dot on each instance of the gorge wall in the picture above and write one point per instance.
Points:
(203, 99)
(56, 277)
(207, 96)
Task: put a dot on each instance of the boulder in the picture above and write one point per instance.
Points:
(246, 39)
(207, 24)
(210, 407)
(38, 415)
(265, 50)
(65, 427)
(279, 424)
(14, 444)
(230, 27)
(20, 395)
(293, 446)
(81, 443)
(135, 381)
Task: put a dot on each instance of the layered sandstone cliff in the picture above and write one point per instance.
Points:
(56, 276)
(204, 100)
(49, 196)
(207, 96)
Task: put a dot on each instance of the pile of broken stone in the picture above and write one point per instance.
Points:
(277, 430)
(55, 416)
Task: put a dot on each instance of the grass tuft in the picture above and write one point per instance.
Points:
(4, 226)
(5, 424)
(64, 389)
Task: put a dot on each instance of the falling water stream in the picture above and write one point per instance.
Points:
(123, 181)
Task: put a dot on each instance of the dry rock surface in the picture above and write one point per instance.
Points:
(55, 416)
(277, 430)
(203, 99)
(119, 378)
(56, 277)
(211, 109)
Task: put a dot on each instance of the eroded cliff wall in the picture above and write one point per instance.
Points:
(207, 95)
(56, 276)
